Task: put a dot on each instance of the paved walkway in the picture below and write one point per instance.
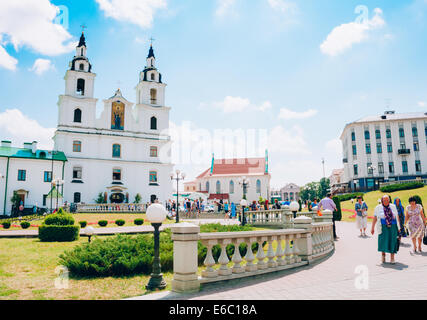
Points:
(332, 278)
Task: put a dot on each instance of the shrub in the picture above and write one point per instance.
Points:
(6, 225)
(59, 233)
(349, 196)
(402, 186)
(138, 222)
(58, 219)
(102, 223)
(83, 224)
(338, 213)
(25, 225)
(120, 222)
(61, 211)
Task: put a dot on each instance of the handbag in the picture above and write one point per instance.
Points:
(425, 237)
(398, 243)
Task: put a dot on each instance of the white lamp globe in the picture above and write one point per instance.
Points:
(183, 175)
(172, 175)
(177, 171)
(89, 231)
(294, 206)
(243, 203)
(156, 213)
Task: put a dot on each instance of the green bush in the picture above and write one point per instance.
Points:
(402, 186)
(58, 233)
(217, 227)
(102, 223)
(61, 211)
(25, 225)
(120, 222)
(338, 213)
(349, 196)
(83, 224)
(138, 222)
(6, 225)
(58, 219)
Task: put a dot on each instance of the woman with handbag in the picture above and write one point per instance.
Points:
(401, 211)
(387, 224)
(416, 223)
(361, 216)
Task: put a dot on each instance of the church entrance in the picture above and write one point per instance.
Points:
(117, 198)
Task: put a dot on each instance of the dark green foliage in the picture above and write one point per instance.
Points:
(338, 213)
(61, 211)
(59, 220)
(206, 228)
(51, 233)
(100, 198)
(120, 222)
(25, 225)
(6, 225)
(349, 196)
(300, 205)
(402, 186)
(138, 222)
(102, 223)
(83, 224)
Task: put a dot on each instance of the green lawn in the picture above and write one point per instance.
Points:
(371, 200)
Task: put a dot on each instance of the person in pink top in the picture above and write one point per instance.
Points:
(416, 222)
(329, 204)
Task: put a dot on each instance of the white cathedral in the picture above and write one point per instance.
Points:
(125, 152)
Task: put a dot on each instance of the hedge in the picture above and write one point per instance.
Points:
(25, 225)
(103, 223)
(59, 219)
(138, 222)
(83, 224)
(346, 197)
(338, 213)
(6, 225)
(120, 222)
(402, 186)
(49, 233)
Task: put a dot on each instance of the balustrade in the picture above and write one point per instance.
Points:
(112, 208)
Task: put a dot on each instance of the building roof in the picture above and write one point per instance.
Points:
(82, 41)
(151, 53)
(11, 152)
(337, 172)
(226, 167)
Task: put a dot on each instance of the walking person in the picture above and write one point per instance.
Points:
(226, 209)
(401, 212)
(416, 223)
(329, 204)
(233, 210)
(361, 216)
(387, 224)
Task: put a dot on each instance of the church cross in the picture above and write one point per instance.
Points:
(83, 28)
(151, 40)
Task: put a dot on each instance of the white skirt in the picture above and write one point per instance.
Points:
(361, 222)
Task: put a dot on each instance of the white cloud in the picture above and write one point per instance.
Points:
(265, 106)
(29, 23)
(41, 66)
(334, 147)
(225, 7)
(237, 104)
(283, 6)
(18, 128)
(287, 142)
(138, 12)
(288, 114)
(422, 104)
(346, 35)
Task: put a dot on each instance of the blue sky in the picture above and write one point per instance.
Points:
(301, 69)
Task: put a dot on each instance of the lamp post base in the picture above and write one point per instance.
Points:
(156, 282)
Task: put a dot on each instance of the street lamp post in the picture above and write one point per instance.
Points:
(294, 207)
(58, 183)
(243, 204)
(176, 176)
(156, 214)
(89, 232)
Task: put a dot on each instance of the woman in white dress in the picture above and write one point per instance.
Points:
(361, 216)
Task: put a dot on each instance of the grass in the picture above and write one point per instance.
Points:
(371, 200)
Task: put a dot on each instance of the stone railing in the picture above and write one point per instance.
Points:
(281, 217)
(279, 250)
(112, 208)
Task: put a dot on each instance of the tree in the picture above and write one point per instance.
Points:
(310, 191)
(324, 188)
(137, 198)
(100, 198)
(16, 201)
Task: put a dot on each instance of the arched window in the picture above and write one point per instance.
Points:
(78, 115)
(153, 123)
(401, 132)
(207, 186)
(231, 187)
(153, 96)
(388, 133)
(81, 86)
(153, 176)
(77, 197)
(258, 186)
(117, 151)
(153, 76)
(218, 187)
(82, 67)
(77, 146)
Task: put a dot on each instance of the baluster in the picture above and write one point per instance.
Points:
(288, 252)
(296, 249)
(271, 254)
(280, 252)
(249, 257)
(292, 249)
(314, 237)
(261, 256)
(237, 258)
(224, 270)
(209, 263)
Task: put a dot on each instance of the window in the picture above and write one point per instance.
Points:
(117, 175)
(80, 86)
(401, 132)
(389, 147)
(231, 187)
(370, 169)
(153, 96)
(47, 176)
(117, 151)
(78, 115)
(207, 186)
(44, 199)
(153, 152)
(418, 166)
(152, 76)
(414, 132)
(416, 146)
(379, 148)
(77, 172)
(77, 197)
(403, 146)
(153, 123)
(218, 187)
(353, 136)
(405, 166)
(378, 134)
(22, 175)
(258, 186)
(391, 167)
(153, 177)
(354, 150)
(368, 148)
(388, 133)
(367, 135)
(82, 66)
(77, 146)
(381, 168)
(356, 169)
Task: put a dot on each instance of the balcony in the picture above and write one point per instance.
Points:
(404, 151)
(345, 160)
